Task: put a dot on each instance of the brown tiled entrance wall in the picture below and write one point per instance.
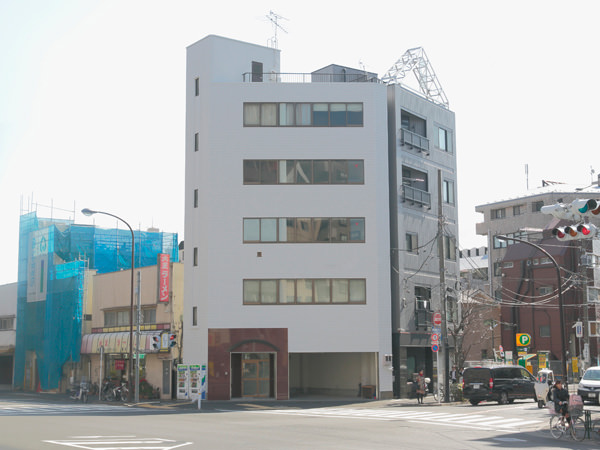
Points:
(223, 341)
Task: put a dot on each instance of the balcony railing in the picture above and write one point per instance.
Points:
(414, 140)
(414, 195)
(422, 318)
(250, 77)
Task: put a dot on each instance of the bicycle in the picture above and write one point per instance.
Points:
(442, 390)
(595, 431)
(559, 427)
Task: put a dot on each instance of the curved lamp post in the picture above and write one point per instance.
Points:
(90, 212)
(560, 299)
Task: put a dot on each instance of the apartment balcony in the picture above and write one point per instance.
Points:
(415, 196)
(415, 140)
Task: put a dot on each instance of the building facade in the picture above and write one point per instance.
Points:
(159, 303)
(8, 323)
(57, 259)
(289, 225)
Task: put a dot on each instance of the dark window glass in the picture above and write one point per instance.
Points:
(321, 227)
(257, 71)
(355, 114)
(268, 172)
(339, 230)
(338, 114)
(303, 172)
(304, 231)
(356, 171)
(251, 171)
(321, 172)
(339, 172)
(320, 115)
(357, 229)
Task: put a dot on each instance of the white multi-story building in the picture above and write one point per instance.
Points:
(288, 276)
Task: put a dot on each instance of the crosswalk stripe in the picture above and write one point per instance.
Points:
(480, 421)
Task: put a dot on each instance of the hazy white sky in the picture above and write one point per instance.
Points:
(92, 94)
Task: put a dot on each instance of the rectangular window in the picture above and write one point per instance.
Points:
(537, 206)
(499, 243)
(287, 291)
(448, 192)
(149, 316)
(412, 242)
(197, 87)
(290, 171)
(423, 298)
(194, 315)
(195, 256)
(7, 323)
(546, 290)
(251, 230)
(357, 230)
(497, 269)
(442, 139)
(251, 291)
(320, 114)
(303, 114)
(358, 291)
(498, 213)
(305, 291)
(323, 291)
(544, 330)
(257, 72)
(339, 291)
(195, 198)
(196, 142)
(450, 248)
(507, 265)
(304, 229)
(517, 210)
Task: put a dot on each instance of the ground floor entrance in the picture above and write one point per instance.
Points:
(253, 375)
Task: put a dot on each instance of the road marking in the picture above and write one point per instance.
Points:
(475, 421)
(119, 443)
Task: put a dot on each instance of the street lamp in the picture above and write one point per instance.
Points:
(560, 298)
(89, 212)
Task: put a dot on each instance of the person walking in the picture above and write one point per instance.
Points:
(421, 387)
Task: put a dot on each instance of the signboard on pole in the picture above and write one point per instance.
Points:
(437, 318)
(435, 348)
(523, 340)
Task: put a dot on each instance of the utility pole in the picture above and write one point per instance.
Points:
(442, 268)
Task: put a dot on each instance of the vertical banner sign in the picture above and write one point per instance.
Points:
(163, 277)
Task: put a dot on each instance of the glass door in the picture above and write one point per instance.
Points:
(256, 375)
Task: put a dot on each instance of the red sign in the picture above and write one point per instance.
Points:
(119, 364)
(163, 277)
(435, 337)
(435, 348)
(437, 318)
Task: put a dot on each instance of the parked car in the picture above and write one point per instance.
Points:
(589, 386)
(503, 384)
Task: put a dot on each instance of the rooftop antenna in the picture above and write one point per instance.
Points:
(592, 172)
(274, 18)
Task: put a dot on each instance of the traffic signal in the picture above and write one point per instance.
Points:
(172, 340)
(575, 210)
(156, 342)
(571, 232)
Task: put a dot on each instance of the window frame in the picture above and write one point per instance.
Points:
(306, 114)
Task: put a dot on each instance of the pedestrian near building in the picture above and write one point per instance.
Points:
(421, 387)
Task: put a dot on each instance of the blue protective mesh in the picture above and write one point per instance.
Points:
(53, 255)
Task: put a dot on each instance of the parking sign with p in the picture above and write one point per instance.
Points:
(523, 340)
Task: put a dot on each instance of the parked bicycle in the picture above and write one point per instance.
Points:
(437, 395)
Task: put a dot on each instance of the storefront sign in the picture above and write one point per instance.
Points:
(163, 277)
(119, 364)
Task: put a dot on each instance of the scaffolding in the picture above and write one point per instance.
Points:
(54, 258)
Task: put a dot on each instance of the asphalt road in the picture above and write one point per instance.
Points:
(36, 423)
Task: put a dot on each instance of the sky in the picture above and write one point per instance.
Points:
(92, 94)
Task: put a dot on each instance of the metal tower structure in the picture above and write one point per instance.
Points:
(416, 60)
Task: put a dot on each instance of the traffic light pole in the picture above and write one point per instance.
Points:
(565, 363)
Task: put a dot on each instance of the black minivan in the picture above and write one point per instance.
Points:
(503, 384)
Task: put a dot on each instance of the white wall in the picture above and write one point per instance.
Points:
(216, 285)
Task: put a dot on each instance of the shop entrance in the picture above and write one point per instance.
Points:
(253, 375)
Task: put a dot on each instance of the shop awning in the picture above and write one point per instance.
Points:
(116, 342)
